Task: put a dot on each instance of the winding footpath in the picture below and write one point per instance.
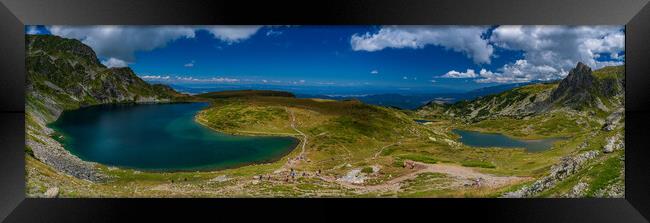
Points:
(461, 175)
(382, 149)
(304, 136)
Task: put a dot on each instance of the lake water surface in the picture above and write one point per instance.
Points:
(479, 139)
(161, 137)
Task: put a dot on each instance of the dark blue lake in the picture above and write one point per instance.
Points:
(479, 139)
(161, 137)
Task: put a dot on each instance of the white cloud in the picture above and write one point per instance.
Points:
(32, 30)
(456, 74)
(521, 71)
(113, 62)
(155, 77)
(223, 79)
(232, 34)
(405, 78)
(121, 42)
(549, 52)
(189, 65)
(374, 72)
(273, 33)
(190, 79)
(562, 47)
(465, 39)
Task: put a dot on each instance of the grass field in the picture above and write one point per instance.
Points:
(345, 137)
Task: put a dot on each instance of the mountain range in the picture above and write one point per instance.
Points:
(600, 92)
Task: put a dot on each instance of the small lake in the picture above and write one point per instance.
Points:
(478, 139)
(161, 137)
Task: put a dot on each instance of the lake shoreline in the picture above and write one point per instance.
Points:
(295, 142)
(481, 139)
(48, 150)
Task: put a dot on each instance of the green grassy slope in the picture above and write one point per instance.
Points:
(337, 137)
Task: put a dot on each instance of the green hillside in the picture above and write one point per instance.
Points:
(347, 148)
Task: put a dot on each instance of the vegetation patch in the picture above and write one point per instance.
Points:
(367, 170)
(419, 158)
(476, 163)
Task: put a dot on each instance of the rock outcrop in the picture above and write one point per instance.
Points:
(575, 88)
(614, 120)
(565, 168)
(52, 192)
(577, 190)
(613, 143)
(582, 89)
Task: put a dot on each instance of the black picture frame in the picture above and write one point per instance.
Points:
(634, 14)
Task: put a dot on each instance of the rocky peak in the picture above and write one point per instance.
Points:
(50, 43)
(577, 83)
(578, 89)
(122, 71)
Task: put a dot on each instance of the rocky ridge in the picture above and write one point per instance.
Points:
(565, 168)
(65, 74)
(582, 90)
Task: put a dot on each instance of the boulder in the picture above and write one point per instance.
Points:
(613, 143)
(52, 192)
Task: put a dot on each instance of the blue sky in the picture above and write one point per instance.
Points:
(427, 58)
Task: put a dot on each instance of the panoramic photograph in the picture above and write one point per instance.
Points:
(501, 111)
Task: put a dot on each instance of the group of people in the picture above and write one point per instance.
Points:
(298, 158)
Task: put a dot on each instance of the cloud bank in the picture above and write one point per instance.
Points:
(189, 79)
(464, 39)
(112, 62)
(549, 52)
(121, 42)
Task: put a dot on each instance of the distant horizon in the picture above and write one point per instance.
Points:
(348, 59)
(332, 91)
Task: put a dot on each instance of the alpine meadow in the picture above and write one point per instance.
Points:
(325, 111)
